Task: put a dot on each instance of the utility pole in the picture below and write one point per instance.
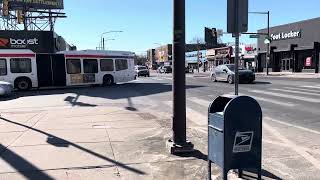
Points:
(103, 44)
(198, 54)
(179, 143)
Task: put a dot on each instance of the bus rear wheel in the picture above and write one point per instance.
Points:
(23, 84)
(108, 80)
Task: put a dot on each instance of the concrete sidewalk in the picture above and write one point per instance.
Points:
(114, 142)
(291, 75)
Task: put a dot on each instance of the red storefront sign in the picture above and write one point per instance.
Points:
(308, 62)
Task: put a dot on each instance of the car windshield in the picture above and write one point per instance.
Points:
(142, 68)
(232, 67)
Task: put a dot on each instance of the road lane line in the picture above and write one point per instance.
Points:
(300, 150)
(302, 89)
(292, 125)
(296, 92)
(281, 103)
(194, 116)
(286, 96)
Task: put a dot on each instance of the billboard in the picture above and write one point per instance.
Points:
(36, 4)
(37, 41)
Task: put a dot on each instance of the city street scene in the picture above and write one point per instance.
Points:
(163, 90)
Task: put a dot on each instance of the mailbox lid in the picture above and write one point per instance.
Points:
(216, 121)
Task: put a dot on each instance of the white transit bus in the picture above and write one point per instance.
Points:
(26, 69)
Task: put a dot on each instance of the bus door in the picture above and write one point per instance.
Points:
(51, 70)
(121, 70)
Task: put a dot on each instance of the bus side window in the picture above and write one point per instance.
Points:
(90, 66)
(106, 65)
(73, 66)
(3, 67)
(20, 65)
(121, 64)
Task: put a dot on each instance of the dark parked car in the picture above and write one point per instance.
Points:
(142, 71)
(226, 73)
(164, 69)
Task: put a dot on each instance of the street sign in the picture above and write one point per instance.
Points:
(308, 61)
(254, 36)
(237, 14)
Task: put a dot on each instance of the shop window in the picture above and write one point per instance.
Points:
(106, 65)
(20, 65)
(121, 64)
(90, 66)
(73, 66)
(3, 67)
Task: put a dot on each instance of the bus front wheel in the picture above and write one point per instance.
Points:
(108, 80)
(23, 84)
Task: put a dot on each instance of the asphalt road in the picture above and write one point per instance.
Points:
(294, 101)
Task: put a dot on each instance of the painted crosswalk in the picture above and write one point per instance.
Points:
(288, 96)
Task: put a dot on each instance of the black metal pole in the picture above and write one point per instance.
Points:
(179, 81)
(268, 49)
(103, 46)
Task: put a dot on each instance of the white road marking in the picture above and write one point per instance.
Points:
(199, 101)
(287, 96)
(303, 89)
(296, 92)
(300, 150)
(194, 116)
(313, 87)
(281, 103)
(292, 125)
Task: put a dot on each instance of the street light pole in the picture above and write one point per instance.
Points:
(101, 38)
(268, 45)
(179, 143)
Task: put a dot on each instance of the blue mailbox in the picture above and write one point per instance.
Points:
(234, 134)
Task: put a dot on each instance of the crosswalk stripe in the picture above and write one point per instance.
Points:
(199, 101)
(286, 96)
(297, 92)
(313, 87)
(302, 89)
(281, 103)
(194, 116)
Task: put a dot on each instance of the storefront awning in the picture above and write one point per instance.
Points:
(303, 48)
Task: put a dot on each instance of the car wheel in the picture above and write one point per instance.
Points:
(230, 80)
(23, 84)
(214, 78)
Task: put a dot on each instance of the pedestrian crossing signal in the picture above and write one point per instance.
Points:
(5, 8)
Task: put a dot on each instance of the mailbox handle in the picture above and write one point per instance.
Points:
(215, 128)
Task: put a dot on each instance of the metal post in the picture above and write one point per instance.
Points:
(236, 76)
(103, 46)
(179, 142)
(198, 53)
(268, 48)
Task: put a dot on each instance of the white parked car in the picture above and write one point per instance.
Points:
(6, 89)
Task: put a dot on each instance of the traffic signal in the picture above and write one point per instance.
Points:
(5, 8)
(20, 16)
(211, 37)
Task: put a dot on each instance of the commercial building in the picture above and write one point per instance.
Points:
(294, 47)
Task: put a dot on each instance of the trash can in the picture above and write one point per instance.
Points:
(234, 134)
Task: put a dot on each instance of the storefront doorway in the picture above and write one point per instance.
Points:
(286, 65)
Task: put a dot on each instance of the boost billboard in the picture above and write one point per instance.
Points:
(36, 4)
(37, 41)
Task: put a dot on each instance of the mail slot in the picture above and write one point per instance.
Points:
(234, 134)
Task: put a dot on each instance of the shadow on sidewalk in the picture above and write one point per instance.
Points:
(251, 174)
(23, 166)
(195, 154)
(59, 142)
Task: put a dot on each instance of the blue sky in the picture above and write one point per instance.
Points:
(146, 22)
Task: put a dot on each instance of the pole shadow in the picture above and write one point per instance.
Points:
(59, 142)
